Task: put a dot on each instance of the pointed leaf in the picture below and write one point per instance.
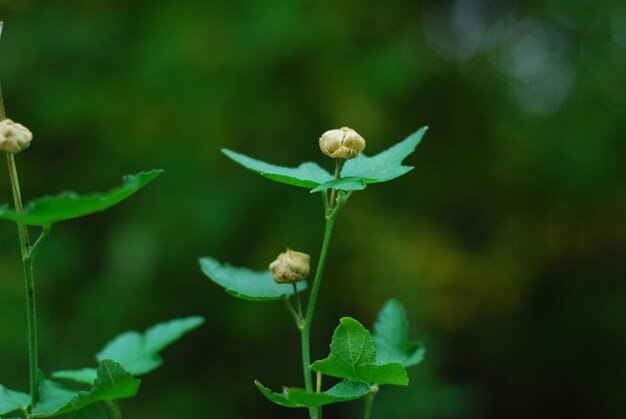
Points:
(307, 175)
(112, 382)
(353, 356)
(67, 205)
(138, 353)
(391, 332)
(11, 401)
(298, 397)
(344, 184)
(245, 283)
(386, 165)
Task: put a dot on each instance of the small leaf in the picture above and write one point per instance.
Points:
(345, 391)
(391, 332)
(112, 382)
(307, 175)
(386, 165)
(67, 205)
(138, 353)
(353, 356)
(11, 401)
(245, 283)
(344, 184)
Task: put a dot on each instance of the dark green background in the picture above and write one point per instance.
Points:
(507, 243)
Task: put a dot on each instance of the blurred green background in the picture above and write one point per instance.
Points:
(507, 243)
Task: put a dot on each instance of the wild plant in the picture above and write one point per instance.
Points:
(88, 392)
(362, 361)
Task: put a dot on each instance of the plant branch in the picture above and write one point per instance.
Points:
(112, 409)
(291, 310)
(296, 293)
(310, 310)
(27, 263)
(29, 282)
(369, 401)
(333, 191)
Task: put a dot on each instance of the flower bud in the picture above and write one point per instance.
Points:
(290, 267)
(14, 137)
(343, 143)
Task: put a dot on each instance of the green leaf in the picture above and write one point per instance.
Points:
(67, 205)
(344, 184)
(307, 175)
(353, 356)
(298, 397)
(138, 353)
(355, 174)
(245, 283)
(112, 382)
(386, 165)
(11, 401)
(391, 332)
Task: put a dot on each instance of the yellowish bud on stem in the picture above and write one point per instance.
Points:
(14, 137)
(343, 143)
(290, 267)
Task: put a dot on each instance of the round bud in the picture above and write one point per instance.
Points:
(290, 267)
(343, 143)
(14, 137)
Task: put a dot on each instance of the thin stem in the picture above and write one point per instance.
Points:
(298, 303)
(29, 282)
(112, 409)
(291, 310)
(333, 191)
(369, 401)
(318, 385)
(306, 328)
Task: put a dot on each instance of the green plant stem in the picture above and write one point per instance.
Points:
(112, 410)
(291, 310)
(296, 294)
(29, 282)
(369, 401)
(333, 191)
(306, 327)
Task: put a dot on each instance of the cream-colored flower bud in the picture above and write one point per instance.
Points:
(343, 143)
(290, 267)
(14, 137)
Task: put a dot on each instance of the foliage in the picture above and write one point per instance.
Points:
(245, 283)
(67, 205)
(353, 354)
(128, 355)
(355, 175)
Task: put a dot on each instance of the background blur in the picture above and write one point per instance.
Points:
(507, 243)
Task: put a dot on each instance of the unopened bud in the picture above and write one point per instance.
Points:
(14, 137)
(290, 267)
(343, 143)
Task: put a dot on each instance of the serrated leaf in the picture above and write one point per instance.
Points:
(137, 352)
(11, 401)
(67, 205)
(112, 382)
(391, 332)
(353, 356)
(344, 184)
(245, 283)
(386, 165)
(307, 175)
(345, 391)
